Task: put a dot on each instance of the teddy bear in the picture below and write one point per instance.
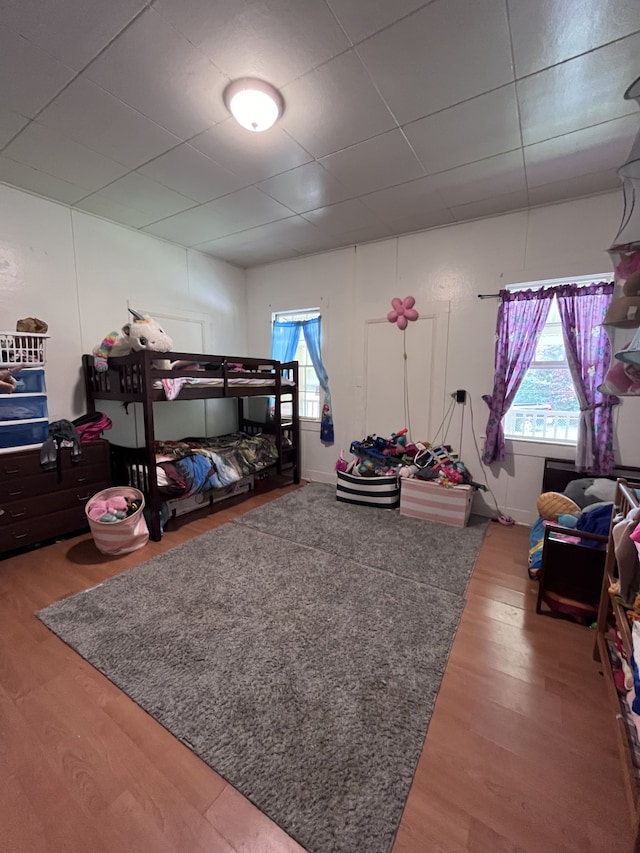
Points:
(143, 333)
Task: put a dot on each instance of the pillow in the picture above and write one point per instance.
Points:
(552, 504)
(602, 489)
(576, 490)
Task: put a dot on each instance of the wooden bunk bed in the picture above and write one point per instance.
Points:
(148, 378)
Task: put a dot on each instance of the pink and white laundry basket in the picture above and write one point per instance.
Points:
(124, 534)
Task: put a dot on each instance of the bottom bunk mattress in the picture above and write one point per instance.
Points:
(193, 465)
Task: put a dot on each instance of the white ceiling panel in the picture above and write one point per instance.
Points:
(360, 20)
(277, 41)
(305, 188)
(266, 239)
(247, 208)
(594, 149)
(574, 188)
(477, 181)
(191, 173)
(408, 200)
(29, 76)
(351, 237)
(57, 155)
(93, 117)
(250, 254)
(71, 32)
(546, 32)
(194, 226)
(439, 56)
(235, 212)
(141, 193)
(252, 156)
(421, 220)
(10, 124)
(334, 106)
(399, 116)
(107, 208)
(490, 206)
(347, 216)
(28, 178)
(473, 130)
(162, 75)
(380, 162)
(579, 93)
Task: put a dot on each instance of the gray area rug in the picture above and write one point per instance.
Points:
(426, 551)
(304, 678)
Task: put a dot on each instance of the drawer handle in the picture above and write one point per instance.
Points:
(15, 494)
(83, 497)
(12, 470)
(17, 514)
(81, 479)
(20, 535)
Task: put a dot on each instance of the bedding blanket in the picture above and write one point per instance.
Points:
(194, 465)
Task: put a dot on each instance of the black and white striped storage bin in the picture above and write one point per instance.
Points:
(383, 492)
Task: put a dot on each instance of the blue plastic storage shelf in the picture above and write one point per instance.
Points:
(30, 381)
(21, 433)
(20, 407)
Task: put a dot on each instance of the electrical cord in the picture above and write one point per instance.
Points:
(448, 413)
(501, 518)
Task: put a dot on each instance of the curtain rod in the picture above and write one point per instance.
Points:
(541, 286)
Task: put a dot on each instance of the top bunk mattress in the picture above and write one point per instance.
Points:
(172, 387)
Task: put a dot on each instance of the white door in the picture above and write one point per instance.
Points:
(403, 392)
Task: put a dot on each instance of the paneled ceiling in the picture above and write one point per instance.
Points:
(400, 115)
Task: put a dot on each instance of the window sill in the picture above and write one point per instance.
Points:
(546, 441)
(309, 425)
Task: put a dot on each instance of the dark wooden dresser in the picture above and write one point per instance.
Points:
(37, 505)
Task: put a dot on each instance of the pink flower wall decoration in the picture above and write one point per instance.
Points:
(402, 312)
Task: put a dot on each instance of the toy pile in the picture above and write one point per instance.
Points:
(113, 509)
(394, 456)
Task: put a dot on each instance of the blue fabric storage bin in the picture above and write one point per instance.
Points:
(20, 433)
(30, 381)
(20, 407)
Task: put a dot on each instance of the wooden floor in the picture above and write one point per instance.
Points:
(520, 754)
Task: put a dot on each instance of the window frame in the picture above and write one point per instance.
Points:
(302, 314)
(549, 365)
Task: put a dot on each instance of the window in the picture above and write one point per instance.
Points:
(545, 407)
(308, 384)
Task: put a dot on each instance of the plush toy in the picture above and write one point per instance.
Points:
(551, 505)
(622, 379)
(143, 333)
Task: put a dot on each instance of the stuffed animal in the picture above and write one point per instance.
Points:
(143, 333)
(551, 505)
(622, 379)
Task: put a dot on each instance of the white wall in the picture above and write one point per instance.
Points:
(445, 269)
(78, 273)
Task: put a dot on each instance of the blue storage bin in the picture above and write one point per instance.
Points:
(30, 381)
(20, 433)
(21, 407)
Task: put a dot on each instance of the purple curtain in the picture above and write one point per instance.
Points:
(521, 318)
(586, 342)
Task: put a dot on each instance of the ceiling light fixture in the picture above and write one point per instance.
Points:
(253, 103)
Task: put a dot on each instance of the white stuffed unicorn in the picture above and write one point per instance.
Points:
(143, 333)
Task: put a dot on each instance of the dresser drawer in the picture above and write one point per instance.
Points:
(41, 529)
(81, 475)
(14, 466)
(44, 505)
